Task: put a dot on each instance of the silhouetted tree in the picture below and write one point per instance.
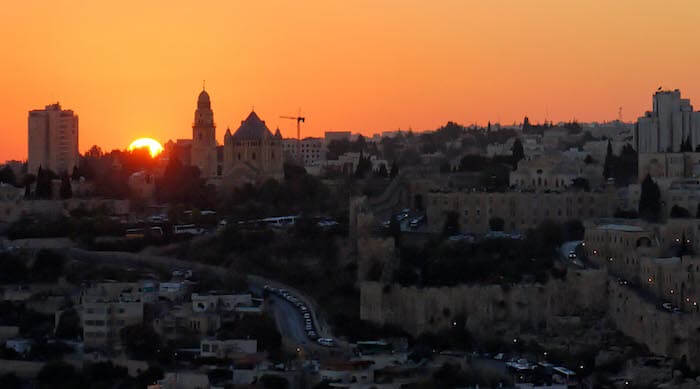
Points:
(59, 375)
(270, 381)
(451, 226)
(364, 166)
(141, 341)
(29, 179)
(574, 230)
(7, 176)
(608, 164)
(48, 266)
(581, 183)
(679, 212)
(650, 200)
(518, 152)
(66, 190)
(183, 184)
(382, 172)
(43, 183)
(496, 224)
(69, 325)
(686, 146)
(395, 230)
(10, 381)
(394, 170)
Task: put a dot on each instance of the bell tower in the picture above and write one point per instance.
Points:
(204, 137)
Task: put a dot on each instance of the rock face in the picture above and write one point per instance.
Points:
(484, 306)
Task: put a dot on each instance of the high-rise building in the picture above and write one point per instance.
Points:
(671, 124)
(53, 140)
(204, 137)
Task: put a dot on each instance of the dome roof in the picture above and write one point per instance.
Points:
(203, 100)
(252, 128)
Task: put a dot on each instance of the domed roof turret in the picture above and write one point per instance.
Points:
(203, 101)
(252, 128)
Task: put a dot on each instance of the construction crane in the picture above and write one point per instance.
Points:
(299, 120)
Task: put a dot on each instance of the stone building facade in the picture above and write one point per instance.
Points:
(252, 154)
(520, 210)
(203, 149)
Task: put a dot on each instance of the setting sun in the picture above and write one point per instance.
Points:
(154, 148)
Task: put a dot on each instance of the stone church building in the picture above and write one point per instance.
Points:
(252, 154)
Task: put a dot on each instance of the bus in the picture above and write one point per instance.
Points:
(187, 229)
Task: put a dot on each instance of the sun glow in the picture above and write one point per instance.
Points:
(154, 148)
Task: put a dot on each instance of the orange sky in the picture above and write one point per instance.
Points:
(133, 69)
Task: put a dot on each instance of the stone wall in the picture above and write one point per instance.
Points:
(491, 309)
(486, 307)
(663, 332)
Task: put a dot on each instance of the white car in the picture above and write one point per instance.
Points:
(328, 342)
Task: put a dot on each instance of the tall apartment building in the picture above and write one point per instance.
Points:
(671, 123)
(53, 140)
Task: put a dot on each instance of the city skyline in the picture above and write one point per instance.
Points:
(373, 68)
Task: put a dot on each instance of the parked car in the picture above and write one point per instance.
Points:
(416, 222)
(327, 342)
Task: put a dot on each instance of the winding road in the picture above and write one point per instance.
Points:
(288, 318)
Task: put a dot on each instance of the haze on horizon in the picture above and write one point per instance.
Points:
(134, 70)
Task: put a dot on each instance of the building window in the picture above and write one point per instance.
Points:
(239, 156)
(253, 156)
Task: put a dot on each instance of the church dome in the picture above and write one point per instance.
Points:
(203, 101)
(252, 128)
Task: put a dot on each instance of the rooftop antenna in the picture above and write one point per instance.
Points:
(204, 82)
(619, 114)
